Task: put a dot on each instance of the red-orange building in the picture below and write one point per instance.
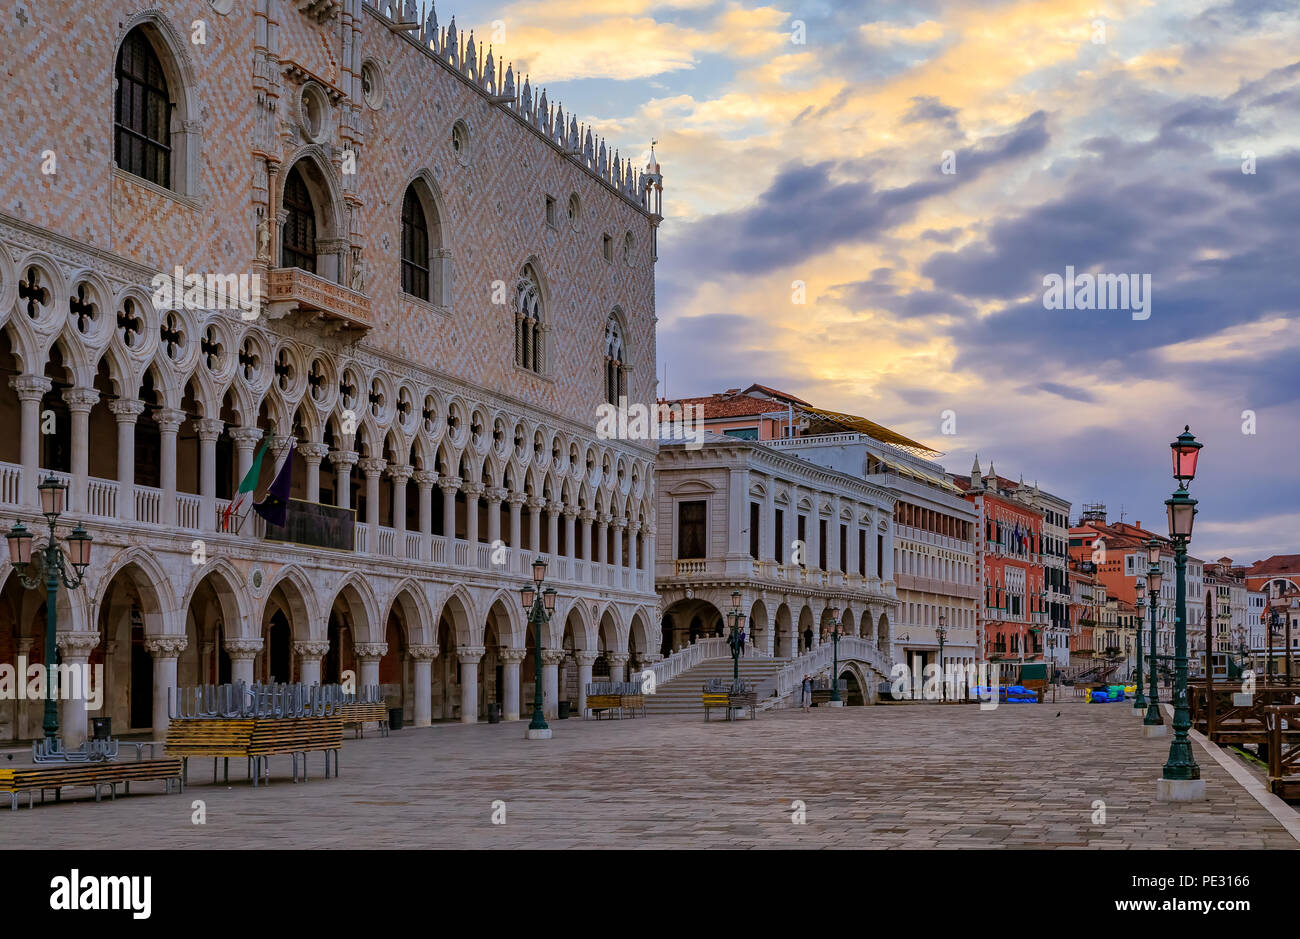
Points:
(1009, 533)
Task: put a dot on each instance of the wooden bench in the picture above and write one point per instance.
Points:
(358, 714)
(257, 740)
(603, 705)
(742, 700)
(97, 775)
(715, 699)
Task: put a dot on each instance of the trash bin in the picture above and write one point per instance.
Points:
(564, 710)
(494, 713)
(394, 718)
(101, 728)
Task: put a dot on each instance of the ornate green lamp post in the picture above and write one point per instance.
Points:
(1155, 578)
(736, 622)
(539, 604)
(1140, 699)
(835, 658)
(1181, 780)
(942, 633)
(51, 570)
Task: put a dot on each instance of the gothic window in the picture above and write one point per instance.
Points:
(299, 237)
(528, 322)
(415, 246)
(142, 112)
(615, 362)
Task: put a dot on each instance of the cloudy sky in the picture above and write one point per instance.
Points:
(1113, 136)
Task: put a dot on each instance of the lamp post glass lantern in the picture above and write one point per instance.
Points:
(1181, 765)
(835, 655)
(539, 604)
(735, 623)
(50, 569)
(1139, 700)
(942, 633)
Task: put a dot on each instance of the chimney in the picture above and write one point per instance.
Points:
(1138, 523)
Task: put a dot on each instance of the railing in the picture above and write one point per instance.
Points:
(413, 545)
(363, 538)
(438, 549)
(188, 510)
(11, 483)
(684, 568)
(387, 540)
(699, 651)
(483, 557)
(101, 494)
(785, 681)
(462, 553)
(148, 505)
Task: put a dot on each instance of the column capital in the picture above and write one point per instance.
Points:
(569, 511)
(313, 452)
(587, 515)
(426, 479)
(344, 457)
(81, 400)
(422, 653)
(165, 647)
(494, 494)
(536, 505)
(554, 507)
(517, 498)
(586, 659)
(370, 650)
(469, 655)
(617, 658)
(311, 648)
(243, 649)
(209, 428)
(281, 443)
(245, 436)
(372, 465)
(30, 387)
(75, 643)
(170, 419)
(620, 522)
(472, 489)
(512, 655)
(603, 519)
(553, 656)
(126, 409)
(401, 472)
(449, 482)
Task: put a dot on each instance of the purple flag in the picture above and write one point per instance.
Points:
(275, 507)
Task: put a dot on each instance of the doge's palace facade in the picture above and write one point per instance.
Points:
(420, 280)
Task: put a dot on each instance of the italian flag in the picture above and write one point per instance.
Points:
(245, 495)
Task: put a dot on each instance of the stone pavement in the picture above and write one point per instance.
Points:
(894, 776)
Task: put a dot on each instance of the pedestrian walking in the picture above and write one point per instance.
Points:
(742, 642)
(806, 692)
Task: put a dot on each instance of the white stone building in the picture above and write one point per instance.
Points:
(446, 279)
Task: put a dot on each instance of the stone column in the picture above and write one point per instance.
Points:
(535, 507)
(570, 528)
(516, 505)
(585, 661)
(425, 479)
(553, 509)
(310, 652)
(280, 446)
(833, 536)
(449, 486)
(30, 390)
(80, 401)
(169, 422)
(767, 536)
(469, 659)
(165, 650)
(246, 439)
(602, 539)
(399, 473)
(372, 467)
(551, 659)
(472, 493)
(510, 660)
(620, 524)
(127, 411)
(368, 655)
(617, 665)
(209, 429)
(632, 560)
(588, 517)
(343, 461)
(74, 650)
(312, 453)
(423, 656)
(242, 652)
(494, 497)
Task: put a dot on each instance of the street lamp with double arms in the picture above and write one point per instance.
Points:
(52, 570)
(539, 604)
(1155, 578)
(1181, 765)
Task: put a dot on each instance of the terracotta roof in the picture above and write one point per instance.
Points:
(1277, 564)
(783, 395)
(714, 407)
